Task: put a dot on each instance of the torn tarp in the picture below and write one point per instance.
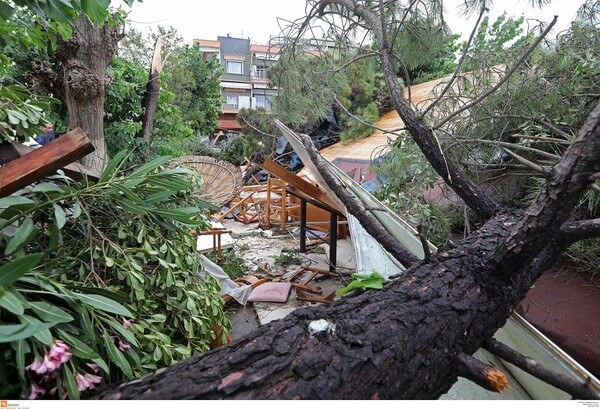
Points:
(228, 286)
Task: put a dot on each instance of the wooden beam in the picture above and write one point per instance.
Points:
(43, 161)
(73, 170)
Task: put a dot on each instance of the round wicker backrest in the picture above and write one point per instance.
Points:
(221, 181)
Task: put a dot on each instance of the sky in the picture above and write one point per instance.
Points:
(258, 19)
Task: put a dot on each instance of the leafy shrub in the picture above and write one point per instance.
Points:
(100, 277)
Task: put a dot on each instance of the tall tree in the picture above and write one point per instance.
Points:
(89, 36)
(415, 337)
(196, 85)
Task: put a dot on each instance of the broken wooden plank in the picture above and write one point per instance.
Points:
(43, 161)
(75, 170)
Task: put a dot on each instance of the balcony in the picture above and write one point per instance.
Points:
(259, 75)
(230, 106)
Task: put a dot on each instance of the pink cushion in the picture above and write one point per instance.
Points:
(271, 292)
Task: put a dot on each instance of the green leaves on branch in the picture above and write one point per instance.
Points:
(372, 280)
(21, 113)
(127, 257)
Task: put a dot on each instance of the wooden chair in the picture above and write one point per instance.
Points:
(278, 209)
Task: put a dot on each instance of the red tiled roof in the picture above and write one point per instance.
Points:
(229, 124)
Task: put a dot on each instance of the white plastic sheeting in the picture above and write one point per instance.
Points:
(228, 286)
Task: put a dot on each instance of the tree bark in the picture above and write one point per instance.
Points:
(150, 99)
(81, 81)
(84, 59)
(404, 342)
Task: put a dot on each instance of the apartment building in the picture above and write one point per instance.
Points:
(244, 82)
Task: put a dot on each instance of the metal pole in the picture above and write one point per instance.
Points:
(332, 242)
(302, 226)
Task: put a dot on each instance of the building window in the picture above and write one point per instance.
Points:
(233, 99)
(235, 67)
(261, 101)
(259, 72)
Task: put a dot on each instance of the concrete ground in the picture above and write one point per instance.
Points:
(260, 250)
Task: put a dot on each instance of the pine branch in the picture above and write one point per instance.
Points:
(581, 230)
(576, 389)
(480, 373)
(459, 66)
(509, 74)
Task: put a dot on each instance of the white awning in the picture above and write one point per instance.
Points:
(236, 85)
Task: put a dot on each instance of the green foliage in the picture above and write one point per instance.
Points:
(304, 99)
(311, 86)
(195, 84)
(372, 280)
(170, 128)
(123, 108)
(230, 262)
(260, 131)
(586, 253)
(355, 128)
(406, 175)
(21, 113)
(79, 258)
(237, 148)
(288, 256)
(495, 43)
(425, 47)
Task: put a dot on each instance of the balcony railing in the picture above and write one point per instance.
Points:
(258, 75)
(230, 106)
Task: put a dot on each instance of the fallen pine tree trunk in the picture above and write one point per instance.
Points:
(409, 340)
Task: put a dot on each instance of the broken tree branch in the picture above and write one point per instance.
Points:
(424, 243)
(544, 170)
(480, 373)
(581, 230)
(576, 389)
(459, 66)
(356, 208)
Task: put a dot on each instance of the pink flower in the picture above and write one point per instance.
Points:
(126, 323)
(53, 359)
(94, 367)
(86, 381)
(123, 346)
(36, 390)
(35, 365)
(59, 355)
(47, 365)
(58, 352)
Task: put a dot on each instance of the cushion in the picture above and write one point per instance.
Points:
(271, 292)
